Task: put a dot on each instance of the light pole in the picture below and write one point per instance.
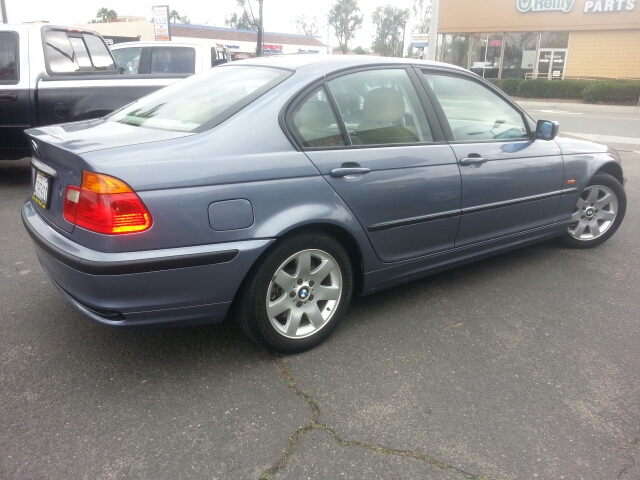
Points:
(433, 30)
(4, 12)
(328, 35)
(260, 31)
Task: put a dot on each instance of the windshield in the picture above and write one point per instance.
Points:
(202, 101)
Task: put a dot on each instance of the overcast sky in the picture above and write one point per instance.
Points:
(278, 14)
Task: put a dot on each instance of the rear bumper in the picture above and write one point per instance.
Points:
(173, 286)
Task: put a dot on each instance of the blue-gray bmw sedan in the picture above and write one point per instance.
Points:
(275, 189)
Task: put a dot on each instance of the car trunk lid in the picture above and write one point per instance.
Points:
(57, 159)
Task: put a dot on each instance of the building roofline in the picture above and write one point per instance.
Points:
(255, 32)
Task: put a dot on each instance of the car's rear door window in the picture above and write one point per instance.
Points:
(474, 112)
(315, 123)
(381, 107)
(8, 57)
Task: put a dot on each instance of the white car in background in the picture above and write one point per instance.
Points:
(134, 58)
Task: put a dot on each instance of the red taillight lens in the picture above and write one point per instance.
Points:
(104, 204)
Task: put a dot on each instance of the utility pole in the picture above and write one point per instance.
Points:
(433, 30)
(260, 31)
(4, 12)
(328, 35)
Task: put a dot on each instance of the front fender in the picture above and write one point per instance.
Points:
(582, 160)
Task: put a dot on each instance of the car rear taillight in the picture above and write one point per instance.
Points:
(104, 204)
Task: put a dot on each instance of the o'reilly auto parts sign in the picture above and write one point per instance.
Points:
(589, 6)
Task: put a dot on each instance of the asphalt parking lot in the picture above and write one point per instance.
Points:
(521, 366)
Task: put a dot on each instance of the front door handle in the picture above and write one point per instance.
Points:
(473, 159)
(345, 171)
(8, 97)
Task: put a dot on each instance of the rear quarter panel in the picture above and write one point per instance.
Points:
(248, 158)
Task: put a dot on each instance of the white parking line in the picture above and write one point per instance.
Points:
(562, 112)
(606, 138)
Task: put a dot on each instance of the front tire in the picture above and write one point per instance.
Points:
(598, 213)
(298, 294)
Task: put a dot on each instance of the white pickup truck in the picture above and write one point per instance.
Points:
(134, 58)
(51, 74)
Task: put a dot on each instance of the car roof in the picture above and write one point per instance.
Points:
(36, 27)
(329, 63)
(153, 44)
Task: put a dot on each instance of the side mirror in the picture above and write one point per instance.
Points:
(546, 129)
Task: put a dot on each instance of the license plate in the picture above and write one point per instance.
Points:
(41, 189)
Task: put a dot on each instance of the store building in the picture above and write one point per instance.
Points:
(552, 39)
(241, 43)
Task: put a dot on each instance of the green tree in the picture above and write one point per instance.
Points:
(307, 26)
(360, 51)
(421, 12)
(245, 20)
(345, 20)
(177, 18)
(105, 14)
(389, 23)
(240, 22)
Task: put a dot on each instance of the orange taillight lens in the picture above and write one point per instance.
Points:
(105, 204)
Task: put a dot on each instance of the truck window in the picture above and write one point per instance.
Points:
(128, 59)
(68, 53)
(8, 56)
(100, 56)
(82, 56)
(173, 60)
(219, 55)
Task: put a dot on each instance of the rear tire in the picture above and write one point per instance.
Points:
(296, 297)
(598, 213)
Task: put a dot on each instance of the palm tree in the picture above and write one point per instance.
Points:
(105, 14)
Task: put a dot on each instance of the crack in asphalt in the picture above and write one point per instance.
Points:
(625, 468)
(314, 424)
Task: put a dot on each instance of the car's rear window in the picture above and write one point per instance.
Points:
(202, 101)
(71, 52)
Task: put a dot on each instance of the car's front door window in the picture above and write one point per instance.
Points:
(474, 112)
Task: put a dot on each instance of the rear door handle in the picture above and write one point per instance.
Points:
(8, 97)
(473, 159)
(345, 171)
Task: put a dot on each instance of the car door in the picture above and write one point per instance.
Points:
(15, 95)
(369, 135)
(511, 182)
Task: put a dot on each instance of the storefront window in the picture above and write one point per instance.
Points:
(519, 54)
(455, 49)
(554, 40)
(486, 50)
